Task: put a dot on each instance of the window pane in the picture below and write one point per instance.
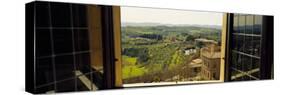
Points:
(242, 23)
(66, 85)
(246, 48)
(44, 71)
(50, 88)
(256, 46)
(62, 41)
(60, 14)
(81, 40)
(83, 62)
(42, 14)
(68, 48)
(64, 67)
(238, 42)
(235, 23)
(43, 43)
(79, 14)
(257, 25)
(247, 66)
(249, 24)
(255, 68)
(237, 60)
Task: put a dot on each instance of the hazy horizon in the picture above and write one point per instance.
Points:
(169, 16)
(164, 23)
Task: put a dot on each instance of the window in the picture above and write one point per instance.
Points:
(168, 46)
(249, 54)
(79, 47)
(67, 47)
(246, 48)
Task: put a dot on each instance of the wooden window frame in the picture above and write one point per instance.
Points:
(118, 59)
(266, 62)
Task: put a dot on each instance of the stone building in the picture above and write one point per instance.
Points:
(210, 54)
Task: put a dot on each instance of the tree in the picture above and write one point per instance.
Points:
(189, 38)
(199, 44)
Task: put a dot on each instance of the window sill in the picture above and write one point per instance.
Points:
(169, 83)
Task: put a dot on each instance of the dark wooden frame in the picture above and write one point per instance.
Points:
(266, 66)
(29, 48)
(108, 47)
(267, 47)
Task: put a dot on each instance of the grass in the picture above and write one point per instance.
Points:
(129, 60)
(130, 68)
(132, 71)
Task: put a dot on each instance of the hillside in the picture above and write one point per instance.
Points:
(156, 53)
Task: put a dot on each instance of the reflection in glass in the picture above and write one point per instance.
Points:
(257, 25)
(44, 71)
(235, 23)
(242, 23)
(64, 50)
(237, 41)
(249, 24)
(246, 48)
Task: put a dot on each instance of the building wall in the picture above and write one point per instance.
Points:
(210, 69)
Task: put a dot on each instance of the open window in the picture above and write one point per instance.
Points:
(85, 47)
(168, 47)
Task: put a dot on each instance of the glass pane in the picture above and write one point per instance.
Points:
(239, 62)
(258, 24)
(256, 46)
(50, 88)
(236, 66)
(247, 65)
(246, 48)
(234, 60)
(42, 14)
(44, 71)
(79, 15)
(69, 49)
(60, 14)
(249, 24)
(43, 43)
(238, 43)
(255, 68)
(81, 40)
(242, 23)
(83, 62)
(64, 67)
(66, 85)
(248, 45)
(63, 41)
(235, 23)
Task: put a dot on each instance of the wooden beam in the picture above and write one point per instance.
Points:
(95, 37)
(117, 46)
(223, 46)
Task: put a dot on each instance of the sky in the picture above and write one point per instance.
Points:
(169, 16)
